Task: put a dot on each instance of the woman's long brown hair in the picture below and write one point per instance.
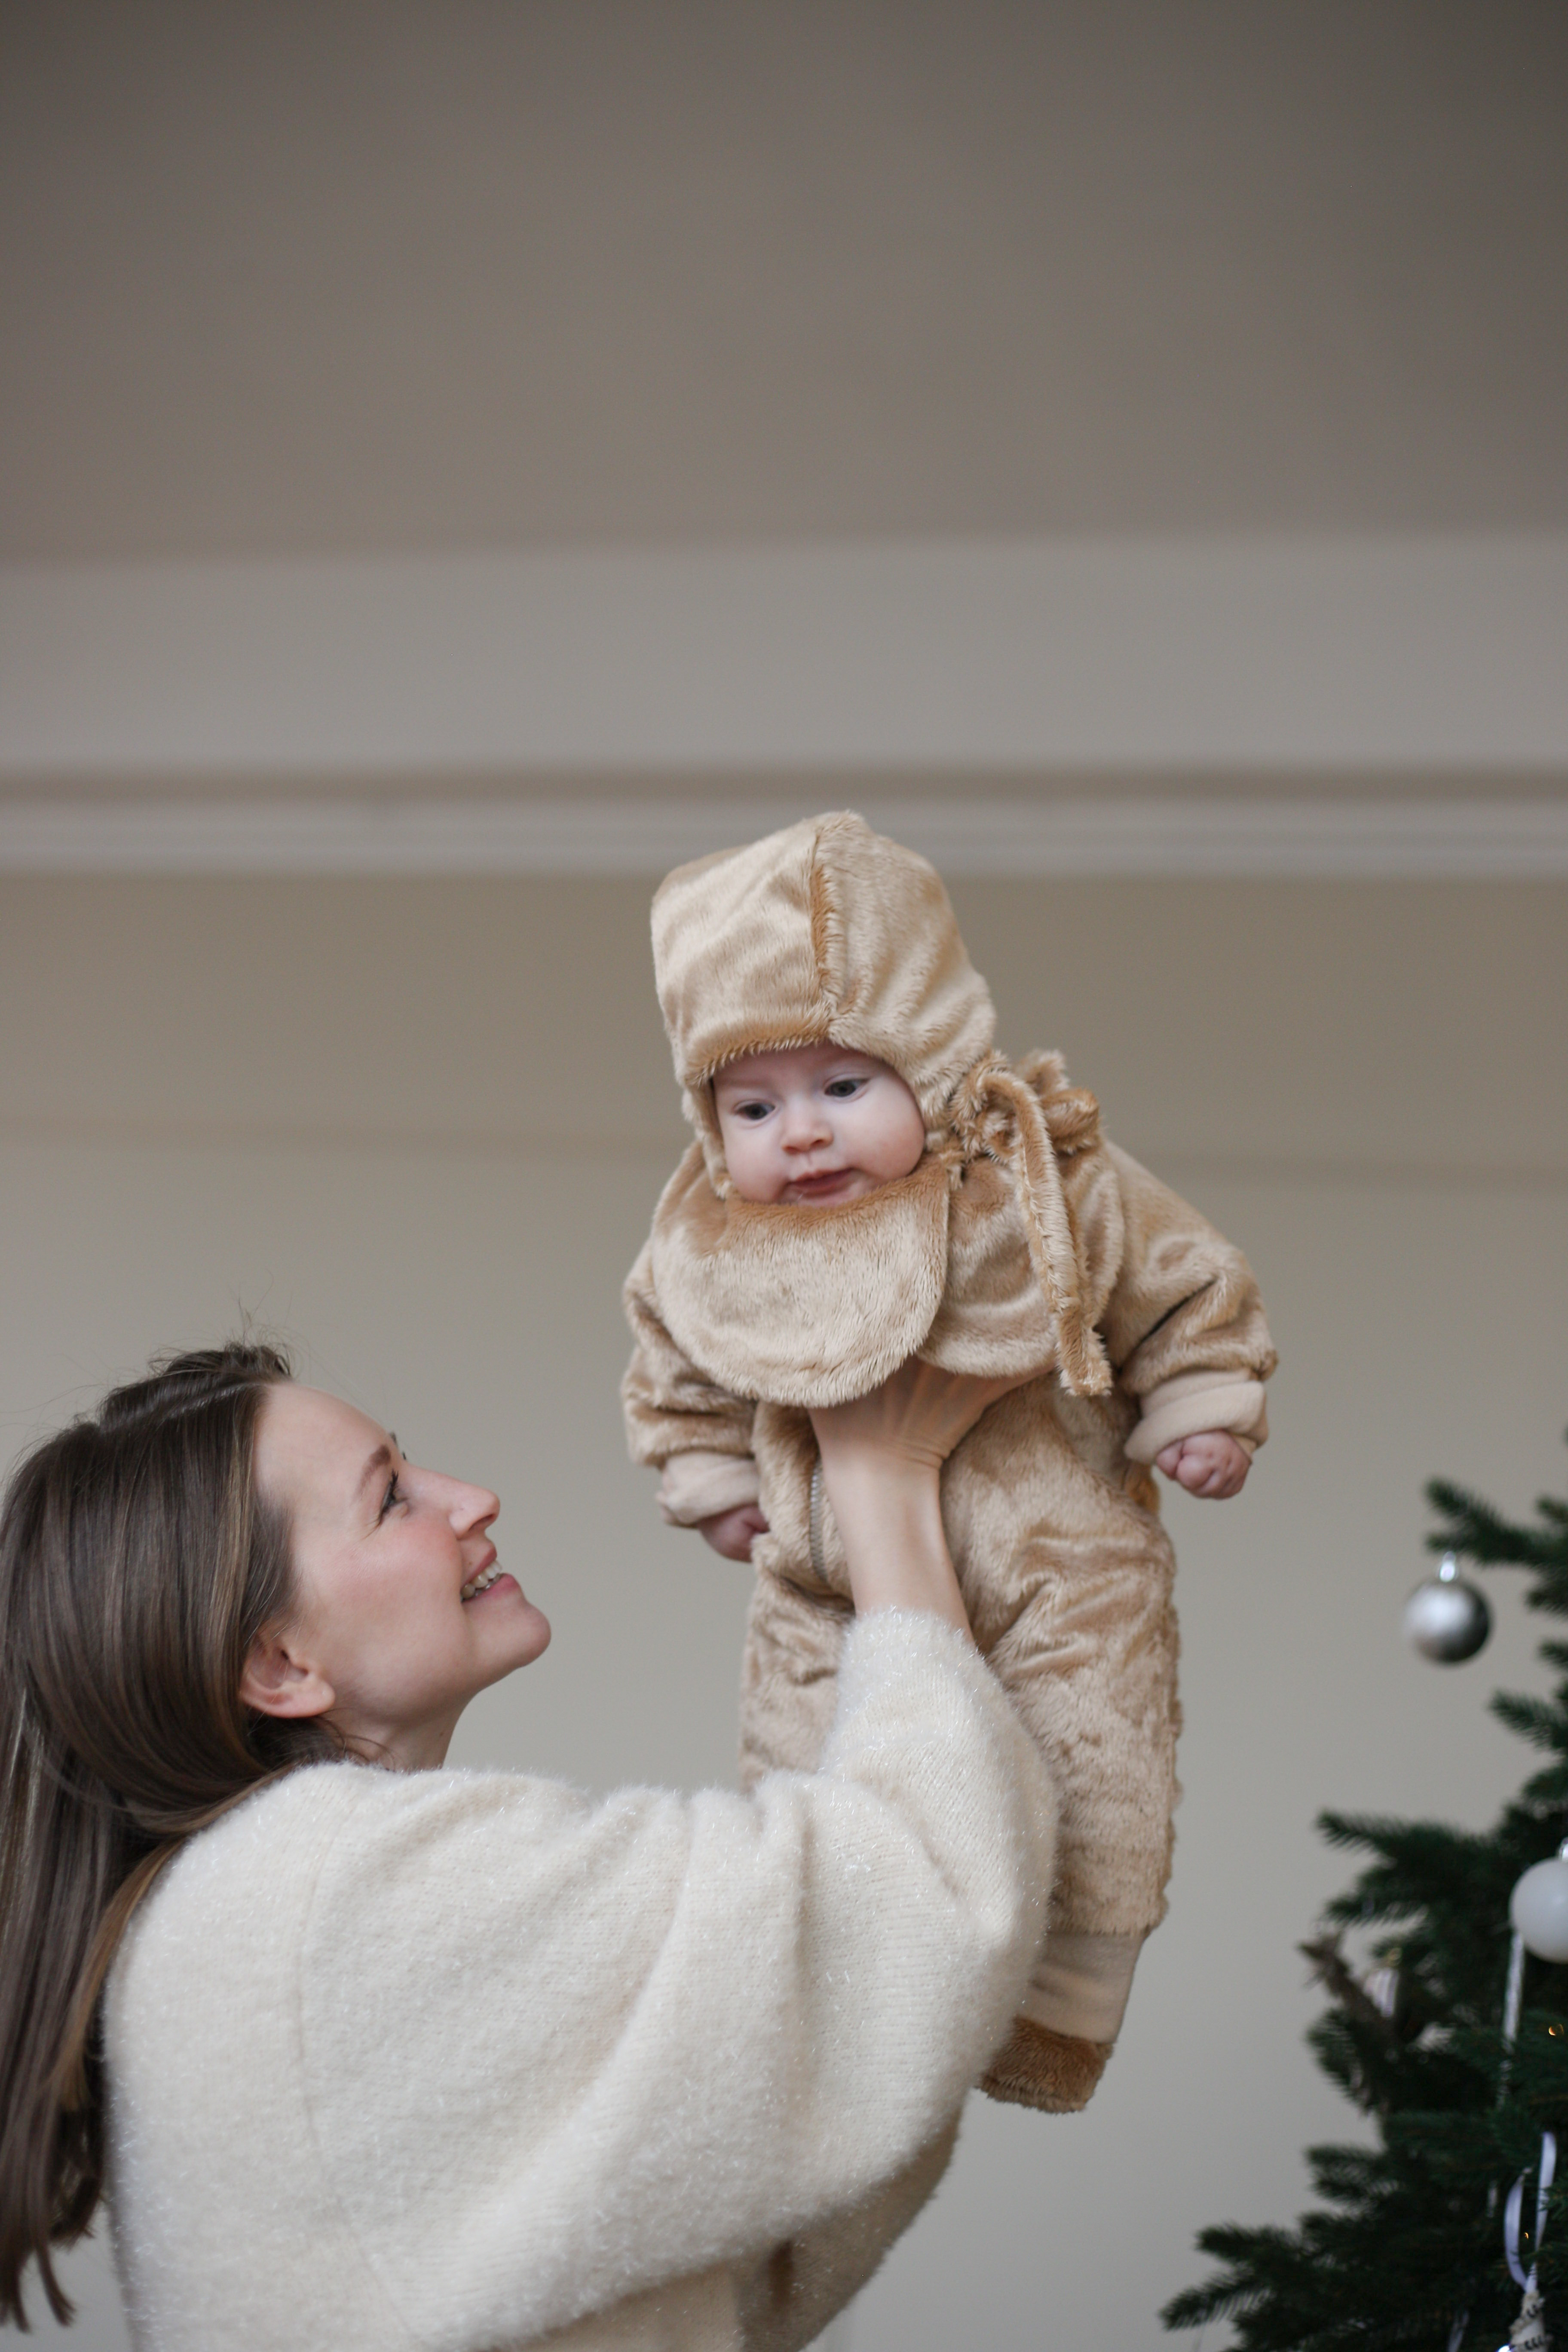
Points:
(137, 1566)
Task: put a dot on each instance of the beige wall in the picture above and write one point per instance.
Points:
(388, 275)
(420, 1127)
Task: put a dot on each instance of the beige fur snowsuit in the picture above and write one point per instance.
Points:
(1023, 1241)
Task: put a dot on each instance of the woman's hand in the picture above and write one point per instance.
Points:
(881, 1466)
(917, 1416)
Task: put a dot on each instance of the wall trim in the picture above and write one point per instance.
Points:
(1299, 656)
(1481, 837)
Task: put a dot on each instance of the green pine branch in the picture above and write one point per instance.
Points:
(1406, 2234)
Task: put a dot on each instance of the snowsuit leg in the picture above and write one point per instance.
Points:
(1067, 1573)
(789, 1677)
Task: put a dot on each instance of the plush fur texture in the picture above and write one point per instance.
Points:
(1024, 1242)
(809, 1310)
(1038, 2068)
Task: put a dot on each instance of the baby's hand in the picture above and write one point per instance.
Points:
(732, 1533)
(1211, 1464)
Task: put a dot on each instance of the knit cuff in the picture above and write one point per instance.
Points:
(1191, 1403)
(697, 1485)
(1080, 1984)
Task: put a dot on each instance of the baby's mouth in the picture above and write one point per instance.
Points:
(825, 1185)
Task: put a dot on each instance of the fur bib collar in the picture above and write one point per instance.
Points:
(809, 1307)
(803, 1306)
(970, 1261)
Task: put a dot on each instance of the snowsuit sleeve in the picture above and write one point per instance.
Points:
(504, 2055)
(1184, 1324)
(698, 1434)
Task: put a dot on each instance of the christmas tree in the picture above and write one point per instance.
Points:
(1406, 2246)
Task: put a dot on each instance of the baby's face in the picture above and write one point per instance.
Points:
(817, 1124)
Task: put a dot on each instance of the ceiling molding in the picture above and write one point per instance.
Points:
(1293, 655)
(970, 832)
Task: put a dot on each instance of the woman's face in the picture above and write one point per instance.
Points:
(389, 1635)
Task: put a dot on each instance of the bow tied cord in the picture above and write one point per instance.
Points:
(996, 1112)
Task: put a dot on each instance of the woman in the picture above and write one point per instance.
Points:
(404, 2056)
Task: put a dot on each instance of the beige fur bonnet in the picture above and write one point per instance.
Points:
(825, 933)
(829, 933)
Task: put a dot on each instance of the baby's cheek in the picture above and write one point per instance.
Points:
(895, 1147)
(750, 1162)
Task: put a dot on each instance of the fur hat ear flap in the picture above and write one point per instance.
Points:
(701, 1111)
(1022, 1135)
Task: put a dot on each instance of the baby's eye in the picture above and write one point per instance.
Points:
(841, 1089)
(753, 1111)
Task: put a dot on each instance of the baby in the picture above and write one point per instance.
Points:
(821, 1124)
(871, 1181)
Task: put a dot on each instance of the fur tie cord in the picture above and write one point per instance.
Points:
(995, 1112)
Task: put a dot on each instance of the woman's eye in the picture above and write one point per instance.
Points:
(391, 1496)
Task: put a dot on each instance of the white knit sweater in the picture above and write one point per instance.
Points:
(469, 2060)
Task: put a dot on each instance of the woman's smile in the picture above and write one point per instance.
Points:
(487, 1580)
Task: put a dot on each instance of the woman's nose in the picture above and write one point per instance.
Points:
(472, 1507)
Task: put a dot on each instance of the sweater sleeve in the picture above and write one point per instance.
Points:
(559, 2052)
(673, 1409)
(1183, 1326)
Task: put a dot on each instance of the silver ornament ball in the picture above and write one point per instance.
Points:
(1447, 1618)
(1537, 1907)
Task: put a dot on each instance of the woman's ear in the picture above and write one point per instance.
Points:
(275, 1680)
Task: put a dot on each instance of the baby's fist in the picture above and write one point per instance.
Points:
(1212, 1464)
(732, 1533)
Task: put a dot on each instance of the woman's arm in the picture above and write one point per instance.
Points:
(534, 2054)
(506, 2055)
(530, 2054)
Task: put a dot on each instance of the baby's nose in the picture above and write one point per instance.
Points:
(804, 1125)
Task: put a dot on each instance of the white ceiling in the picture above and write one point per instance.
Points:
(365, 276)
